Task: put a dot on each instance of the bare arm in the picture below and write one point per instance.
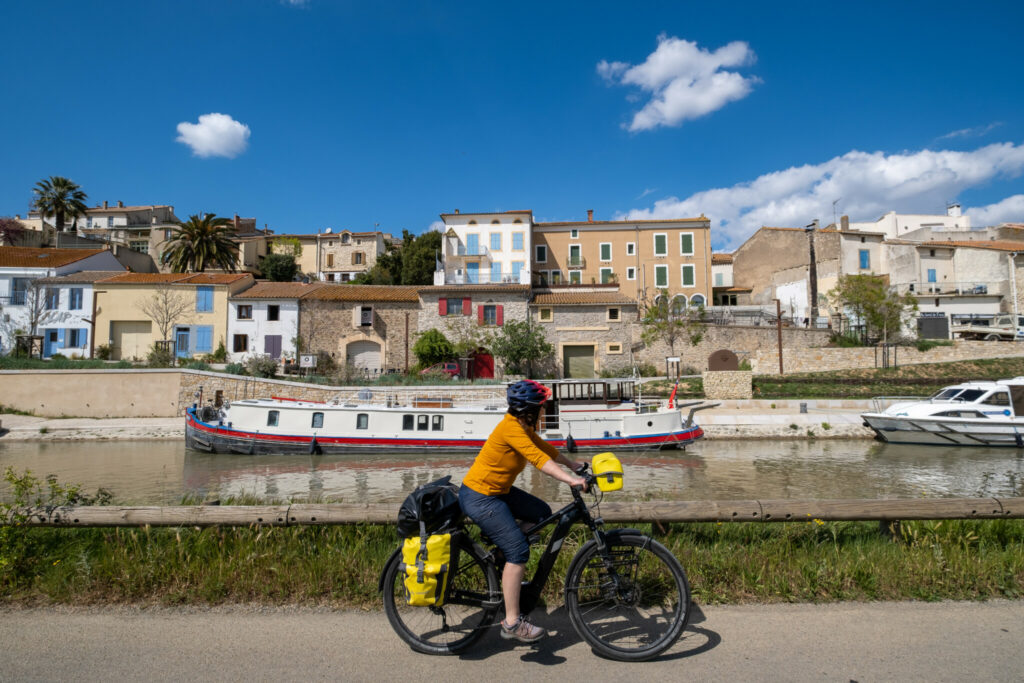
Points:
(552, 470)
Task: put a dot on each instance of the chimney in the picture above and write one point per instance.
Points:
(844, 222)
(104, 203)
(953, 210)
(120, 204)
(590, 215)
(236, 222)
(17, 216)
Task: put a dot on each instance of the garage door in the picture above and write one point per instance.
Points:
(578, 361)
(364, 355)
(130, 339)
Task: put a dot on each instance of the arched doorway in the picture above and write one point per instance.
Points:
(364, 355)
(697, 300)
(481, 364)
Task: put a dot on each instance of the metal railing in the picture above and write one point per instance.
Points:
(479, 250)
(15, 299)
(485, 277)
(956, 288)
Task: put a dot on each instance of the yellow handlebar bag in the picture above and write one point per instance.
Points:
(425, 567)
(608, 471)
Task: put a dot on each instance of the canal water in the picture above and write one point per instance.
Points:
(163, 472)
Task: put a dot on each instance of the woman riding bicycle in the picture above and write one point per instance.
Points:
(488, 497)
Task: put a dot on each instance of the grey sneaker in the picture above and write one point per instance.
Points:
(522, 630)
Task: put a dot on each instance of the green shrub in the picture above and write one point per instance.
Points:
(235, 369)
(123, 364)
(218, 356)
(160, 357)
(845, 341)
(103, 352)
(928, 344)
(433, 347)
(261, 365)
(196, 365)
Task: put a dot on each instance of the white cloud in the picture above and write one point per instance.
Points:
(1009, 210)
(870, 184)
(215, 135)
(295, 3)
(684, 81)
(975, 132)
(437, 226)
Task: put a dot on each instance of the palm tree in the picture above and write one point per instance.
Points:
(61, 198)
(201, 242)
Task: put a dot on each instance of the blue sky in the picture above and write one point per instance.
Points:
(324, 113)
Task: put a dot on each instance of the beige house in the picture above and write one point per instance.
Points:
(338, 256)
(642, 257)
(590, 328)
(134, 310)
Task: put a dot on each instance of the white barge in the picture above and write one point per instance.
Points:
(968, 414)
(589, 414)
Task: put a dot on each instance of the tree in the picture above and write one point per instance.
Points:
(279, 267)
(201, 242)
(286, 245)
(867, 300)
(61, 198)
(664, 322)
(519, 342)
(166, 308)
(433, 347)
(11, 231)
(413, 264)
(30, 313)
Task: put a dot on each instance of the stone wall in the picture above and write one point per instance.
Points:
(734, 384)
(327, 326)
(796, 359)
(589, 325)
(235, 387)
(747, 343)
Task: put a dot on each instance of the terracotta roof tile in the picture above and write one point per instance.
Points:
(30, 257)
(341, 292)
(176, 278)
(216, 278)
(571, 298)
(583, 224)
(720, 258)
(79, 278)
(278, 290)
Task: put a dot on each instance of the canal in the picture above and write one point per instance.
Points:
(163, 472)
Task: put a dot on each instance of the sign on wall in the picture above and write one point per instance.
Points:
(307, 360)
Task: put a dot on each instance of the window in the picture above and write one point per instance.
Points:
(496, 271)
(865, 259)
(719, 278)
(345, 277)
(631, 273)
(614, 314)
(273, 312)
(454, 307)
(74, 338)
(556, 277)
(245, 312)
(204, 338)
(574, 234)
(204, 299)
(697, 300)
(19, 289)
(52, 298)
(330, 260)
(240, 343)
(366, 316)
(167, 235)
(614, 347)
(422, 423)
(606, 275)
(997, 398)
(318, 421)
(517, 221)
(473, 244)
(688, 274)
(75, 298)
(272, 417)
(517, 266)
(495, 222)
(330, 277)
(661, 276)
(357, 258)
(686, 244)
(471, 223)
(542, 253)
(495, 241)
(88, 222)
(575, 277)
(606, 251)
(931, 252)
(110, 221)
(517, 241)
(407, 423)
(345, 238)
(630, 248)
(544, 315)
(141, 247)
(660, 244)
(575, 257)
(363, 421)
(932, 277)
(490, 316)
(437, 423)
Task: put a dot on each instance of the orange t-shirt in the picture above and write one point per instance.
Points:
(505, 455)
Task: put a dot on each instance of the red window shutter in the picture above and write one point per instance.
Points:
(499, 315)
(480, 314)
(467, 306)
(442, 306)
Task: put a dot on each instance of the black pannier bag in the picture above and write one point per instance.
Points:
(430, 508)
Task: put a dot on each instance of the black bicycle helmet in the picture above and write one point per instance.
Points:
(526, 394)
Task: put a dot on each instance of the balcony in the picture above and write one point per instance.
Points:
(15, 299)
(948, 288)
(576, 262)
(463, 253)
(484, 277)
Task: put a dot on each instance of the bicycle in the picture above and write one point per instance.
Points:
(626, 594)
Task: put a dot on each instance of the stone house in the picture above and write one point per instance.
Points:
(369, 327)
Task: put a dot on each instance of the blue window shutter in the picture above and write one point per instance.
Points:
(204, 299)
(60, 336)
(204, 339)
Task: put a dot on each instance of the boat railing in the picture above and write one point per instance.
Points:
(880, 403)
(392, 397)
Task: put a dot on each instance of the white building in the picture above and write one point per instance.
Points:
(898, 225)
(51, 288)
(264, 319)
(485, 248)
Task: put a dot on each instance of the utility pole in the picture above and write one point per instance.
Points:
(778, 325)
(812, 273)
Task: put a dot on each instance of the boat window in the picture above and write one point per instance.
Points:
(407, 422)
(422, 423)
(363, 421)
(946, 394)
(318, 420)
(997, 398)
(970, 395)
(272, 416)
(437, 424)
(961, 413)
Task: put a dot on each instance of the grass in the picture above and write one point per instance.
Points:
(339, 566)
(59, 363)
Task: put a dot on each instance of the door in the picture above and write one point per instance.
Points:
(482, 366)
(472, 273)
(364, 355)
(50, 341)
(272, 345)
(129, 339)
(181, 343)
(578, 361)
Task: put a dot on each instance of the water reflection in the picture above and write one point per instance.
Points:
(163, 472)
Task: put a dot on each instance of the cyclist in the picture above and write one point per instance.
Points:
(488, 497)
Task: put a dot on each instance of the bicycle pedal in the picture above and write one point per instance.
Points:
(533, 539)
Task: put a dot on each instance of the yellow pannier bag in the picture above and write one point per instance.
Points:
(425, 566)
(608, 471)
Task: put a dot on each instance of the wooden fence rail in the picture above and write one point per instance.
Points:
(647, 511)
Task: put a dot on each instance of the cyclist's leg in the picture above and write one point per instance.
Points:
(525, 506)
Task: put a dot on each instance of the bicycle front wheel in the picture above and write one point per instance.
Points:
(472, 603)
(632, 605)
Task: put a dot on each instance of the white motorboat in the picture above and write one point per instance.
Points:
(969, 414)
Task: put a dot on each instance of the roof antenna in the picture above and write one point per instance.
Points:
(834, 202)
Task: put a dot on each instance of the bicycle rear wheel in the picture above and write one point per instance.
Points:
(633, 607)
(465, 616)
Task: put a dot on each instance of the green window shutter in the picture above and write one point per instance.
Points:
(688, 276)
(686, 243)
(606, 252)
(660, 245)
(661, 276)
